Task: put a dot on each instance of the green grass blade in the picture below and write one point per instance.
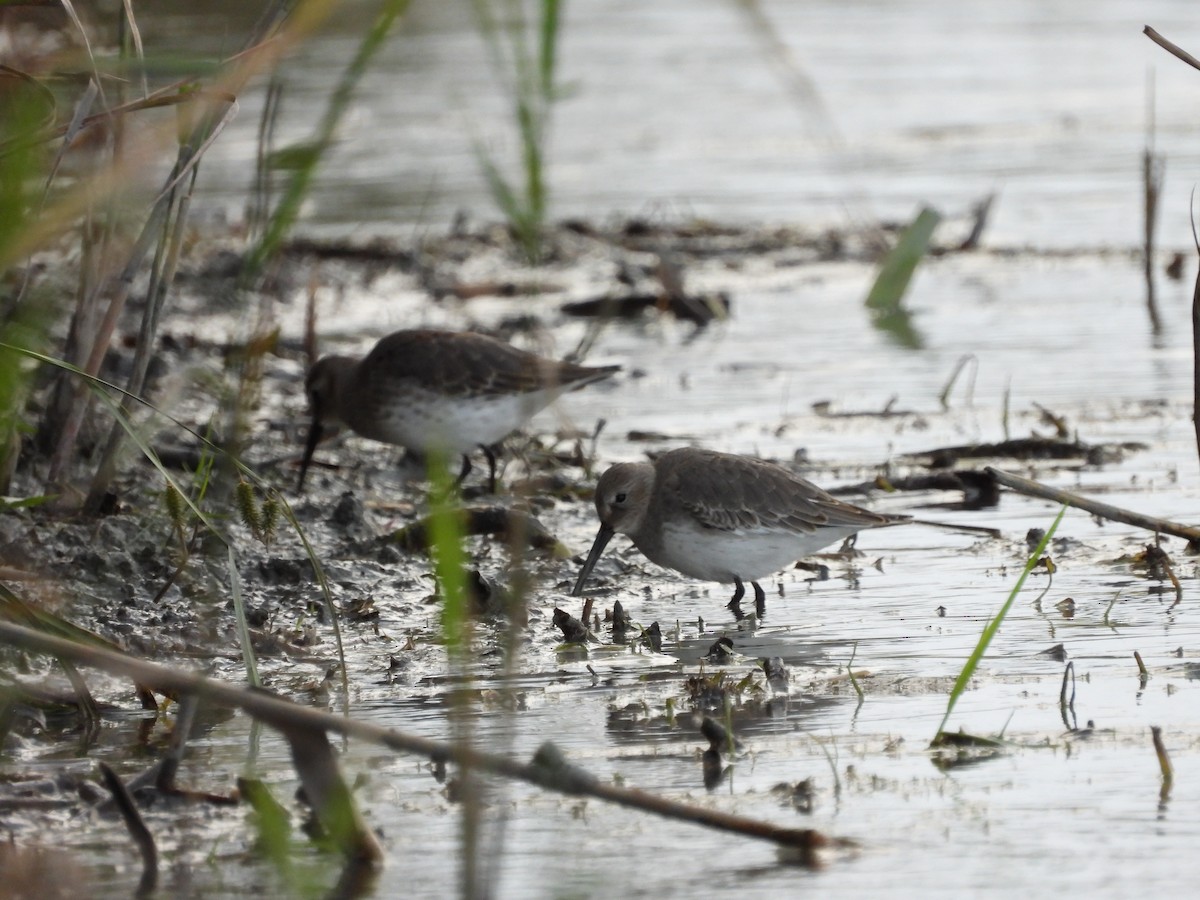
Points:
(524, 55)
(501, 190)
(446, 532)
(548, 45)
(243, 626)
(886, 296)
(272, 824)
(992, 627)
(326, 594)
(147, 451)
(530, 124)
(898, 266)
(7, 504)
(298, 186)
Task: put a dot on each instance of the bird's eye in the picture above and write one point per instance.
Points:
(619, 498)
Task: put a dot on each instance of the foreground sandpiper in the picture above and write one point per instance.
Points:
(440, 391)
(720, 517)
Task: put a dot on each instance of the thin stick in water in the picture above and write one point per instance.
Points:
(1152, 178)
(1195, 328)
(137, 829)
(1174, 49)
(1104, 510)
(1164, 761)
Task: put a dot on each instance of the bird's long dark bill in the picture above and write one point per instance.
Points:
(315, 430)
(603, 536)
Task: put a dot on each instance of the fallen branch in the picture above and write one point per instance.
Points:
(548, 770)
(1024, 449)
(1095, 507)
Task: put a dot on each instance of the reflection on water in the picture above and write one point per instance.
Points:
(680, 108)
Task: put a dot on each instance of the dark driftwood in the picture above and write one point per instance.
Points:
(697, 308)
(1031, 448)
(547, 770)
(979, 489)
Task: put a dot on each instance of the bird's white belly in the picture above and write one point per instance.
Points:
(711, 555)
(426, 422)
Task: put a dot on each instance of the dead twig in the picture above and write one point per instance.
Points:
(1195, 328)
(1066, 701)
(547, 770)
(1095, 507)
(1165, 564)
(1164, 761)
(1174, 49)
(980, 213)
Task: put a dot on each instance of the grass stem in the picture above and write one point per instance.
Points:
(990, 630)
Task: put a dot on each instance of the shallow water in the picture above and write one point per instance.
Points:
(680, 109)
(674, 112)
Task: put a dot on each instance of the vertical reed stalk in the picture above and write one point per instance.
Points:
(528, 74)
(1153, 168)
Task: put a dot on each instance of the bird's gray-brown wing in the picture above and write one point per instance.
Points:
(731, 493)
(466, 364)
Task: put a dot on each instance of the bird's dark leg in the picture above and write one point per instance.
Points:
(490, 453)
(735, 605)
(760, 600)
(463, 472)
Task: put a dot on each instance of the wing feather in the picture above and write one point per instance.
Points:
(466, 364)
(736, 493)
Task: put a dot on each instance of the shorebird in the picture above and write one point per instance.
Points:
(720, 517)
(439, 391)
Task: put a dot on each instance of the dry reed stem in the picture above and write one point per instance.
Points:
(1104, 510)
(1153, 166)
(545, 771)
(1164, 760)
(1174, 49)
(263, 51)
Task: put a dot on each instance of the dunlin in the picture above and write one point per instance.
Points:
(721, 517)
(439, 391)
